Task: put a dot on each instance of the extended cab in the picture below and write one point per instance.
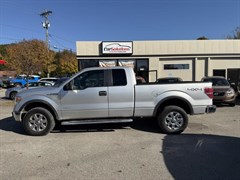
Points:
(110, 95)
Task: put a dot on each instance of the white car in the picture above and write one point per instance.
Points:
(11, 92)
(50, 79)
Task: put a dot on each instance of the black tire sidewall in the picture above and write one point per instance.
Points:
(46, 113)
(161, 119)
(13, 93)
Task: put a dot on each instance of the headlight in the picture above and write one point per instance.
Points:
(18, 99)
(230, 92)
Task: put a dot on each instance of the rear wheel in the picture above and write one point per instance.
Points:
(38, 122)
(172, 120)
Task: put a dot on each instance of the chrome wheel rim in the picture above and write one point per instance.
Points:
(174, 120)
(38, 122)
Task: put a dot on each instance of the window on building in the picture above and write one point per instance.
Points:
(119, 77)
(89, 63)
(219, 72)
(175, 66)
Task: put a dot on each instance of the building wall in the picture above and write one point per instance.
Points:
(203, 56)
(187, 47)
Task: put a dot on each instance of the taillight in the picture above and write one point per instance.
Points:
(209, 92)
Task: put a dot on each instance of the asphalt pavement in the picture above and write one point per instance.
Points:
(208, 149)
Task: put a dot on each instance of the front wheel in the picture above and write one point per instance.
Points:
(38, 122)
(172, 120)
(13, 95)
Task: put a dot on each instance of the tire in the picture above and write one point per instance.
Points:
(38, 122)
(12, 95)
(172, 120)
(232, 104)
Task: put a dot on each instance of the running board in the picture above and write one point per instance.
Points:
(96, 121)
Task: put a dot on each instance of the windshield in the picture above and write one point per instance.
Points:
(217, 81)
(60, 82)
(20, 77)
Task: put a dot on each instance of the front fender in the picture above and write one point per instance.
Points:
(44, 100)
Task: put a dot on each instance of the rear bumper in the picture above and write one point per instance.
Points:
(211, 109)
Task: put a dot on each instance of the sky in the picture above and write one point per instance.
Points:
(117, 20)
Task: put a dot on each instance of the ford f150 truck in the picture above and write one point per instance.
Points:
(111, 95)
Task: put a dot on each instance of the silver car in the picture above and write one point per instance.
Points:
(11, 92)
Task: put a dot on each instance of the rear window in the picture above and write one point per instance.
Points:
(217, 81)
(119, 77)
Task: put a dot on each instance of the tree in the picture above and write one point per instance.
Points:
(30, 57)
(202, 38)
(3, 56)
(235, 34)
(66, 63)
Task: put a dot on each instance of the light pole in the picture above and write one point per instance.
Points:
(46, 25)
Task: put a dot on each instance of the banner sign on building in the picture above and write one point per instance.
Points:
(117, 47)
(107, 63)
(126, 63)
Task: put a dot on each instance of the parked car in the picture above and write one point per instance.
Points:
(50, 79)
(21, 80)
(222, 90)
(10, 93)
(1, 83)
(169, 80)
(110, 95)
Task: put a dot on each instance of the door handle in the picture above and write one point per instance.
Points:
(102, 93)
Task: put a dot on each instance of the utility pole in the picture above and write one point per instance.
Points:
(46, 25)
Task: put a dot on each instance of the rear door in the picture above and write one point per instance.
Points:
(121, 94)
(88, 99)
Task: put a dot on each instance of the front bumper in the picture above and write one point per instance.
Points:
(16, 116)
(211, 109)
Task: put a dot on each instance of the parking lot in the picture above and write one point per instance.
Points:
(208, 149)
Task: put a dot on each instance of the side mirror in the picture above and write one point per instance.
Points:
(68, 86)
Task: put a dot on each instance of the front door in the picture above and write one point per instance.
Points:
(88, 97)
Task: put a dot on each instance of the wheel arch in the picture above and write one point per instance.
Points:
(173, 101)
(12, 93)
(39, 103)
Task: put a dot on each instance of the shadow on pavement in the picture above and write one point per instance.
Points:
(193, 156)
(148, 125)
(88, 128)
(9, 124)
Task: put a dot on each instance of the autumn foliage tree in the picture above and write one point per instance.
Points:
(30, 57)
(235, 34)
(66, 63)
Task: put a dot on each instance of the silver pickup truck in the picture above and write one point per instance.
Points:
(111, 95)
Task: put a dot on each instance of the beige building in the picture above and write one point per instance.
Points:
(189, 59)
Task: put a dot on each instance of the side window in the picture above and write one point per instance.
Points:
(88, 79)
(119, 77)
